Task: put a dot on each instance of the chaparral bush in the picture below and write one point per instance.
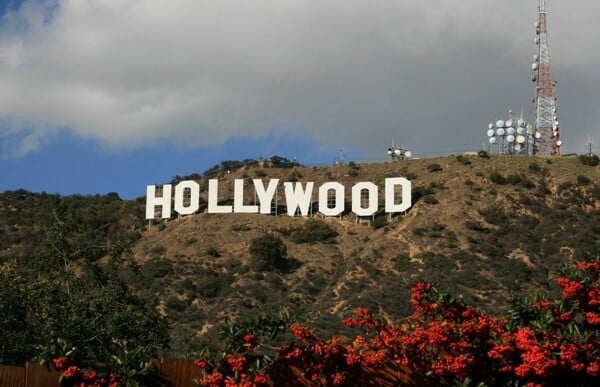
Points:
(541, 342)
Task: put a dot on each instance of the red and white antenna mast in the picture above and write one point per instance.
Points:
(547, 137)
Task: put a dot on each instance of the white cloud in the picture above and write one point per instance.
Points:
(198, 72)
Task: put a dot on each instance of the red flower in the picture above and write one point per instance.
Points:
(338, 379)
(542, 305)
(60, 362)
(236, 363)
(591, 266)
(250, 342)
(200, 363)
(214, 380)
(592, 318)
(571, 289)
(260, 378)
(594, 368)
(71, 372)
(89, 375)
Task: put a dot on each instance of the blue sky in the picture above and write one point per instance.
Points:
(102, 96)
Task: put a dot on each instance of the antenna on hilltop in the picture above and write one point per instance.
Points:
(340, 159)
(398, 153)
(546, 120)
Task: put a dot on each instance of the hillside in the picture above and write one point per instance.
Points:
(482, 227)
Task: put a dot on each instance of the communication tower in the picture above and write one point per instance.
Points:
(546, 122)
(398, 153)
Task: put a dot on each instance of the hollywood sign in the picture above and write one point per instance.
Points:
(298, 198)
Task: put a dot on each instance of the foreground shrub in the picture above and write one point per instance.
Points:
(542, 343)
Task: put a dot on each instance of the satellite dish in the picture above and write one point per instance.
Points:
(397, 152)
(491, 126)
(520, 130)
(407, 153)
(559, 143)
(520, 139)
(510, 130)
(492, 140)
(533, 78)
(500, 132)
(537, 24)
(553, 110)
(500, 124)
(521, 123)
(537, 40)
(534, 66)
(536, 57)
(529, 129)
(510, 138)
(518, 147)
(509, 123)
(490, 133)
(389, 151)
(538, 135)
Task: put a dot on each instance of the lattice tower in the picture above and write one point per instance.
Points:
(546, 122)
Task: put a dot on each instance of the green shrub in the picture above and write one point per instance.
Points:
(464, 160)
(158, 250)
(591, 160)
(496, 177)
(494, 215)
(174, 303)
(379, 222)
(534, 166)
(260, 173)
(294, 176)
(157, 268)
(483, 154)
(583, 180)
(314, 230)
(213, 252)
(410, 175)
(267, 252)
(430, 199)
(435, 167)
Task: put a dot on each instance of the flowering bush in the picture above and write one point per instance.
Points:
(541, 342)
(72, 375)
(544, 342)
(244, 360)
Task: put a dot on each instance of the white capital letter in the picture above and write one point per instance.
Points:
(213, 199)
(390, 188)
(238, 199)
(265, 197)
(324, 196)
(295, 197)
(357, 199)
(194, 197)
(163, 202)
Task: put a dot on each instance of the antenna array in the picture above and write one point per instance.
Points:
(398, 153)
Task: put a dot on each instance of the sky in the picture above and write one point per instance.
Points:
(102, 96)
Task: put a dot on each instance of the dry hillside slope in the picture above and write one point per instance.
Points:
(482, 227)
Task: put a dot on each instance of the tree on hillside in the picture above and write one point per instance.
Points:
(267, 252)
(63, 299)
